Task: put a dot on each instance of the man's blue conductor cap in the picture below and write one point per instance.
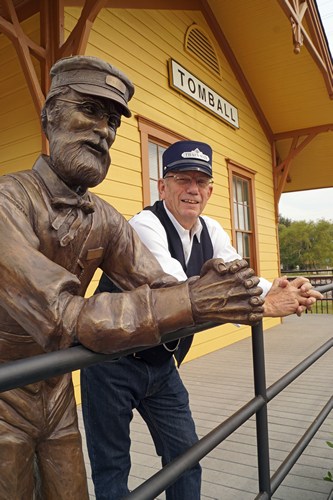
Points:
(188, 155)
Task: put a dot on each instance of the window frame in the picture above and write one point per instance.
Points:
(152, 132)
(237, 170)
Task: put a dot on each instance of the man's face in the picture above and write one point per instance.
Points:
(186, 195)
(81, 129)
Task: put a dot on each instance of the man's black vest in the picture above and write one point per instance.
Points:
(201, 252)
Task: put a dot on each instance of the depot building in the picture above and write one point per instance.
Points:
(255, 82)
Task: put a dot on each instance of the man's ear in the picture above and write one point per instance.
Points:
(161, 188)
(210, 190)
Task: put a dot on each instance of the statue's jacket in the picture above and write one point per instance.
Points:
(52, 241)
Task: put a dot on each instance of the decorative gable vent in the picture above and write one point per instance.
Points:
(199, 45)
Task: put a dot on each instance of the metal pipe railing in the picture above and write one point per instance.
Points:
(166, 476)
(267, 486)
(259, 374)
(295, 372)
(300, 446)
(29, 370)
(22, 372)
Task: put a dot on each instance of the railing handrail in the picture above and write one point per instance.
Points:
(22, 372)
(306, 272)
(29, 370)
(26, 371)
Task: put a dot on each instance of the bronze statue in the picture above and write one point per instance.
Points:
(54, 235)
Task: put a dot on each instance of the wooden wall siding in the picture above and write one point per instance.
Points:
(124, 34)
(140, 43)
(20, 139)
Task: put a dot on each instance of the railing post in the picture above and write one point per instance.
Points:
(261, 415)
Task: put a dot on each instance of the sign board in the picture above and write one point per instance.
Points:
(182, 80)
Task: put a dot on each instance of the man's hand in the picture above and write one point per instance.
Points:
(226, 293)
(294, 297)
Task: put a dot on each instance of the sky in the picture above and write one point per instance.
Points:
(315, 204)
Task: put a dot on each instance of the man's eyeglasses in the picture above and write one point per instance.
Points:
(94, 110)
(186, 180)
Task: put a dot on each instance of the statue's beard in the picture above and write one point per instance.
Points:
(77, 165)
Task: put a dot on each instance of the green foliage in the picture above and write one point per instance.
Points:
(285, 221)
(329, 476)
(308, 245)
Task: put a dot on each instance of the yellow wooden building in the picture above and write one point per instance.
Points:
(253, 78)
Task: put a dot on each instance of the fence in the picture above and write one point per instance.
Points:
(23, 372)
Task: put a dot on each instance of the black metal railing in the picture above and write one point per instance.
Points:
(26, 371)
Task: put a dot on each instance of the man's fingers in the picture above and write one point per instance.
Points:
(226, 292)
(315, 294)
(255, 317)
(252, 282)
(299, 281)
(300, 310)
(237, 265)
(282, 282)
(306, 301)
(257, 301)
(217, 265)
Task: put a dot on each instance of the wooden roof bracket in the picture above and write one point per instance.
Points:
(300, 139)
(24, 48)
(51, 46)
(296, 11)
(77, 41)
(296, 25)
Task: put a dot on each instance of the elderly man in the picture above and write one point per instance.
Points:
(182, 240)
(54, 235)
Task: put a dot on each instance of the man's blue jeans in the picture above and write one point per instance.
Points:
(110, 392)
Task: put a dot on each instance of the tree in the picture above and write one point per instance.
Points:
(285, 221)
(308, 245)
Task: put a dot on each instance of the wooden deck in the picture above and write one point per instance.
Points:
(221, 382)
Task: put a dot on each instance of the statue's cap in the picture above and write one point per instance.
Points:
(93, 76)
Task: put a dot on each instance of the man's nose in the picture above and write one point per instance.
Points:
(102, 128)
(193, 186)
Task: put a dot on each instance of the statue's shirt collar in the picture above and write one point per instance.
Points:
(67, 206)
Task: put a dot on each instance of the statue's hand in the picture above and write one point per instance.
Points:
(226, 293)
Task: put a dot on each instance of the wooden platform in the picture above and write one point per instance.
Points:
(221, 382)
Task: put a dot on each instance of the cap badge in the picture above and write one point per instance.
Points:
(196, 153)
(115, 82)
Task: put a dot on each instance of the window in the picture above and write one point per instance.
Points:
(154, 141)
(243, 218)
(155, 152)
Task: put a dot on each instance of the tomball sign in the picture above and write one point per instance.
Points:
(192, 87)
